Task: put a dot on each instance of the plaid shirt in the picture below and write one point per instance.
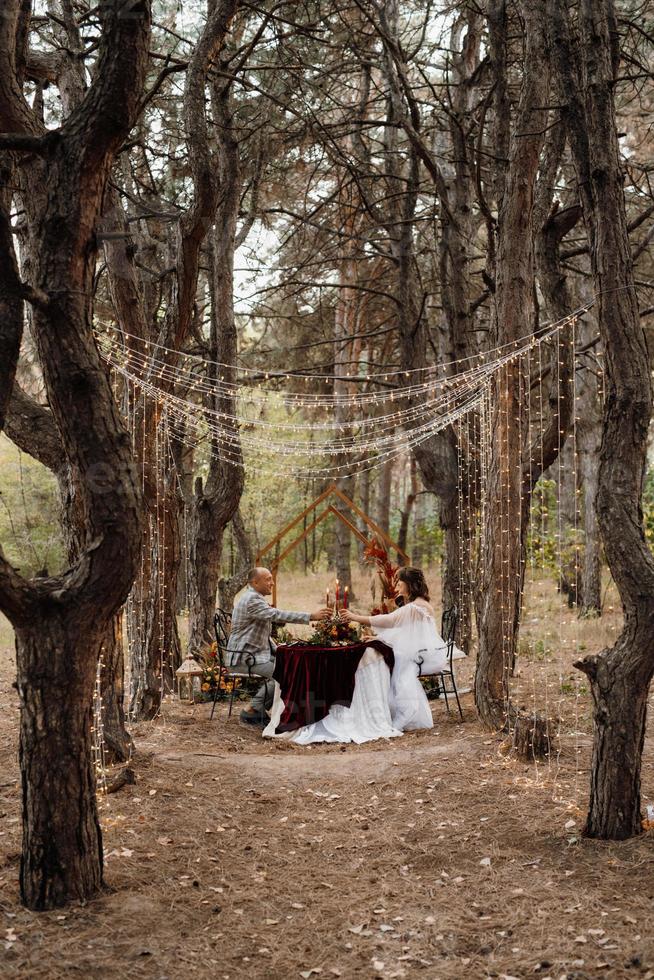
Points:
(252, 620)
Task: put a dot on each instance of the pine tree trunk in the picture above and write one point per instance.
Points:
(552, 225)
(411, 495)
(205, 554)
(453, 173)
(451, 579)
(589, 438)
(60, 621)
(229, 587)
(118, 741)
(437, 461)
(365, 488)
(454, 590)
(417, 553)
(215, 504)
(184, 458)
(154, 601)
(156, 648)
(620, 711)
(499, 592)
(31, 427)
(62, 845)
(620, 676)
(502, 566)
(154, 644)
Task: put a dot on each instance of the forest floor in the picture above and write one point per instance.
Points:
(435, 856)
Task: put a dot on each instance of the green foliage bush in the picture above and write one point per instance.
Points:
(648, 507)
(557, 548)
(30, 532)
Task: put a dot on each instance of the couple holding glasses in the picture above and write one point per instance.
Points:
(384, 705)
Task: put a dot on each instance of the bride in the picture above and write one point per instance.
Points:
(412, 634)
(384, 705)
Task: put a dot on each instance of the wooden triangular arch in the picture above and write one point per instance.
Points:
(331, 491)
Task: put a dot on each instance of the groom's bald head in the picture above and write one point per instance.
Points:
(261, 580)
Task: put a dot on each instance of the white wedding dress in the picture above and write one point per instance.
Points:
(383, 705)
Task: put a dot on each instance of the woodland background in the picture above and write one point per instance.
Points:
(331, 190)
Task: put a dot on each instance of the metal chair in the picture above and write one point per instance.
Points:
(222, 622)
(446, 676)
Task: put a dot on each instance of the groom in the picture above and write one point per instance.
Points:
(250, 647)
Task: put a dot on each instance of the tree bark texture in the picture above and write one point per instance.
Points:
(437, 456)
(62, 844)
(117, 740)
(502, 565)
(31, 427)
(589, 440)
(230, 586)
(215, 503)
(151, 620)
(158, 649)
(59, 622)
(619, 676)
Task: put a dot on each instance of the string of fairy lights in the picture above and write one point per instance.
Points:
(156, 361)
(97, 731)
(381, 425)
(546, 537)
(258, 420)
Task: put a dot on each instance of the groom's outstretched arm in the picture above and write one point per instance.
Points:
(258, 608)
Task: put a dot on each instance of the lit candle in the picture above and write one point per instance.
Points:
(345, 592)
(327, 598)
(336, 607)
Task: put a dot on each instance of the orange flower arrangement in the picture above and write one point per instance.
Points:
(215, 676)
(376, 554)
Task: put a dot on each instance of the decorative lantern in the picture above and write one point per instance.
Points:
(188, 679)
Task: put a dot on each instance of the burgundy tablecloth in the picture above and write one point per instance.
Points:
(312, 679)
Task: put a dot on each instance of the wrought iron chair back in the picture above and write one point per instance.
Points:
(446, 679)
(449, 623)
(222, 622)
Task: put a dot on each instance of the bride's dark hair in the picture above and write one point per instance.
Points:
(415, 582)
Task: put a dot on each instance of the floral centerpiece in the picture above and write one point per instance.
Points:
(334, 632)
(216, 678)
